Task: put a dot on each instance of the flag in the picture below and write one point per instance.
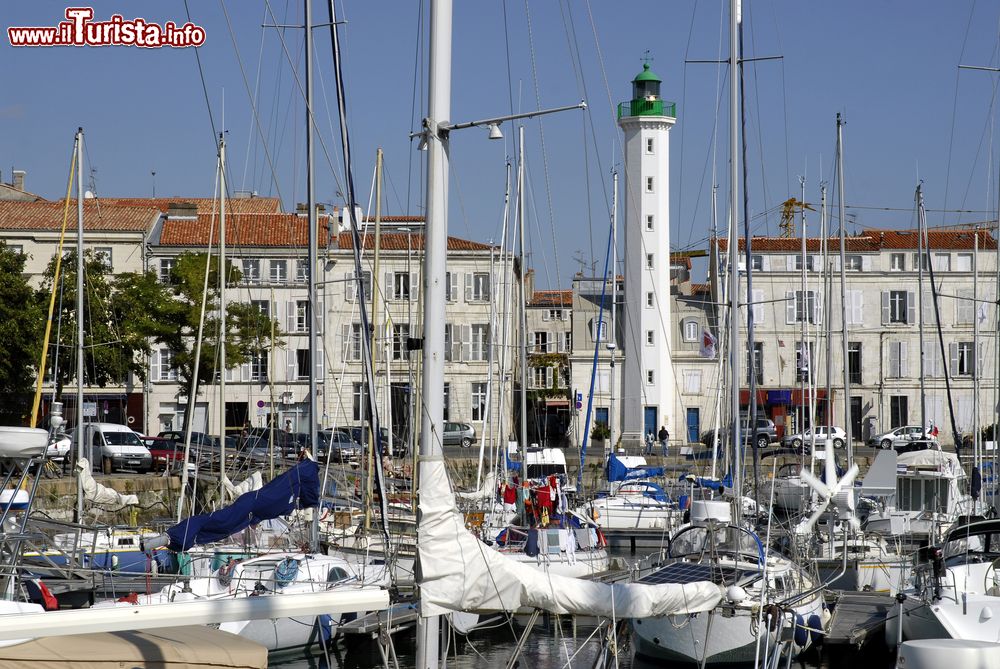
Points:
(982, 312)
(708, 343)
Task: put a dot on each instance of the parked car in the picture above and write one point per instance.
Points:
(111, 446)
(59, 448)
(360, 435)
(342, 447)
(461, 434)
(900, 436)
(167, 454)
(197, 438)
(764, 435)
(796, 441)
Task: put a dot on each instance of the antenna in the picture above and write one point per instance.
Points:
(153, 174)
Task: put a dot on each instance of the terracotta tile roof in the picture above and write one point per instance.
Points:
(397, 219)
(551, 298)
(679, 259)
(872, 241)
(402, 241)
(96, 216)
(700, 288)
(242, 205)
(268, 230)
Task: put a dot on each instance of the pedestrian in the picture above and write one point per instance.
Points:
(664, 437)
(649, 442)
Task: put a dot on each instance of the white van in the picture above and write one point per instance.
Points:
(112, 446)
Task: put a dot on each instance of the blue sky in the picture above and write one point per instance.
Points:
(890, 68)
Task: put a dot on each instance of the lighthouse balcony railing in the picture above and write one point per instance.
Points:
(647, 108)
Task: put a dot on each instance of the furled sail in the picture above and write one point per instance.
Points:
(253, 482)
(458, 572)
(619, 471)
(101, 495)
(487, 491)
(298, 488)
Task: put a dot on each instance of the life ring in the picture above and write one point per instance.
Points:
(130, 420)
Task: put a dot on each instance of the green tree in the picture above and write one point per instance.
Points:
(248, 330)
(21, 326)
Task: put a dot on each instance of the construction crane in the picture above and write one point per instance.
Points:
(789, 208)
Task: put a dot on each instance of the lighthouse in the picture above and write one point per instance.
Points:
(648, 383)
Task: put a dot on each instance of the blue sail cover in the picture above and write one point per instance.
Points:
(617, 471)
(298, 488)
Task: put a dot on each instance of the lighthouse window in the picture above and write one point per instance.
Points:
(649, 300)
(649, 337)
(649, 184)
(649, 145)
(649, 222)
(650, 377)
(649, 261)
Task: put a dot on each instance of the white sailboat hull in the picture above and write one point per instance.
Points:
(22, 442)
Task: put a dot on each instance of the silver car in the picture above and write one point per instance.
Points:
(822, 433)
(461, 434)
(900, 436)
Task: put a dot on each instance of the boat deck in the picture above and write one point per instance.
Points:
(859, 617)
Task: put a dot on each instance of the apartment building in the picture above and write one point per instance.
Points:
(549, 322)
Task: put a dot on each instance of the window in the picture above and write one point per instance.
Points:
(103, 253)
(302, 363)
(802, 307)
(649, 261)
(650, 300)
(301, 271)
(650, 337)
(352, 288)
(852, 263)
(450, 286)
(360, 402)
(897, 262)
(757, 262)
(251, 270)
(302, 316)
(563, 376)
(598, 330)
(796, 263)
(167, 370)
(854, 362)
(649, 145)
(279, 271)
(166, 269)
(352, 341)
(447, 402)
(540, 377)
(963, 362)
(942, 262)
(803, 360)
(477, 287)
(400, 335)
(480, 342)
(898, 306)
(692, 381)
(650, 377)
(649, 184)
(16, 248)
(263, 306)
(649, 222)
(691, 330)
(963, 262)
(925, 264)
(401, 285)
(932, 358)
(898, 359)
(898, 411)
(258, 366)
(478, 401)
(541, 343)
(567, 341)
(755, 364)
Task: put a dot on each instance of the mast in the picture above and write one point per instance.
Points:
(824, 233)
(435, 259)
(843, 294)
(734, 242)
(921, 250)
(523, 348)
(804, 357)
(614, 301)
(976, 440)
(313, 250)
(80, 437)
(222, 318)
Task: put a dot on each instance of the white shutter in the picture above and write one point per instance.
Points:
(345, 340)
(789, 307)
(758, 306)
(414, 286)
(866, 263)
(468, 286)
(291, 365)
(545, 314)
(855, 301)
(351, 287)
(979, 358)
(560, 343)
(466, 342)
(565, 314)
(390, 287)
(904, 369)
(230, 375)
(531, 341)
(911, 307)
(953, 355)
(320, 362)
(885, 307)
(817, 263)
(245, 372)
(452, 286)
(447, 342)
(154, 365)
(290, 315)
(817, 307)
(320, 316)
(790, 263)
(765, 263)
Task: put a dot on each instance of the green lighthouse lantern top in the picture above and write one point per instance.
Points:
(646, 85)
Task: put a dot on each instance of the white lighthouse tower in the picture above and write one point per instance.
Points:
(648, 384)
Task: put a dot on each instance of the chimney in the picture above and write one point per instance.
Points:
(529, 285)
(188, 210)
(19, 179)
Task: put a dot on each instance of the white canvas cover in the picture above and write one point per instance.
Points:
(946, 463)
(253, 482)
(487, 491)
(101, 495)
(458, 572)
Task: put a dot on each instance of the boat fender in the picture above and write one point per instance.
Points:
(735, 594)
(815, 628)
(801, 633)
(226, 573)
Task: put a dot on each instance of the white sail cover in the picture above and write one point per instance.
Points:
(488, 489)
(253, 482)
(458, 572)
(102, 495)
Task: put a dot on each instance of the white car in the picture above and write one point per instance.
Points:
(838, 436)
(900, 437)
(59, 448)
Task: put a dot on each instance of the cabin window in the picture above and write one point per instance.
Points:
(337, 574)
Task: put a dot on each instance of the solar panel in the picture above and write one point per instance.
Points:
(690, 572)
